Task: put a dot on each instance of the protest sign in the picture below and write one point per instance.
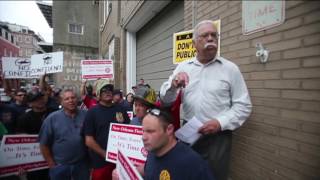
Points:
(16, 68)
(94, 69)
(126, 169)
(129, 139)
(183, 48)
(46, 63)
(20, 151)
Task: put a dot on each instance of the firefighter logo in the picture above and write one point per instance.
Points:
(119, 117)
(164, 175)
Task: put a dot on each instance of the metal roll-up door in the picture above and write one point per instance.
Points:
(154, 45)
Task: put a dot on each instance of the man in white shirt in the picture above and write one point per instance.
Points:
(215, 93)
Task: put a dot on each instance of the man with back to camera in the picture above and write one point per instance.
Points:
(215, 93)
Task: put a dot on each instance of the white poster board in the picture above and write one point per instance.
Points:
(261, 15)
(128, 138)
(20, 151)
(94, 69)
(126, 170)
(47, 63)
(16, 68)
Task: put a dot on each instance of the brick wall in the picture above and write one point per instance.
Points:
(281, 139)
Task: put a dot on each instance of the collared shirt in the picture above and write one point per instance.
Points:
(216, 90)
(62, 134)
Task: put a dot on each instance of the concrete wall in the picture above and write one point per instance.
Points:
(281, 140)
(79, 12)
(75, 47)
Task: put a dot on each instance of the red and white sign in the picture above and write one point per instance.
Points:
(126, 170)
(94, 69)
(20, 151)
(128, 138)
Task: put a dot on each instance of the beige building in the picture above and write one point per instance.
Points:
(281, 139)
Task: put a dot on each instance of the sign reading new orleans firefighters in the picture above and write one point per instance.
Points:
(94, 69)
(20, 151)
(128, 138)
(183, 48)
(126, 169)
(47, 63)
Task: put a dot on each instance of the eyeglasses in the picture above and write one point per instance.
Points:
(155, 112)
(215, 35)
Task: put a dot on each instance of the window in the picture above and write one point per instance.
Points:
(7, 38)
(27, 39)
(0, 32)
(76, 28)
(12, 40)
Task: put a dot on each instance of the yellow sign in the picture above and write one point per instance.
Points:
(183, 47)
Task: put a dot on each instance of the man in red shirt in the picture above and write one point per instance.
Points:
(88, 98)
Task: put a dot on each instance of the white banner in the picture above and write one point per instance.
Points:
(20, 151)
(126, 170)
(47, 63)
(94, 69)
(16, 68)
(128, 138)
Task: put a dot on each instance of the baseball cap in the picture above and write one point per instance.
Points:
(34, 95)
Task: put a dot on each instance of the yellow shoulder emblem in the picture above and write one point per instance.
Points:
(164, 175)
(119, 117)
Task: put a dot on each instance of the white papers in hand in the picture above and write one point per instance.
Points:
(189, 132)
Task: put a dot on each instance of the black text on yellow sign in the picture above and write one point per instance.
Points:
(183, 47)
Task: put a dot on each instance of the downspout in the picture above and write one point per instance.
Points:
(194, 13)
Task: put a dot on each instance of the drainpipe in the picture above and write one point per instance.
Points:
(194, 13)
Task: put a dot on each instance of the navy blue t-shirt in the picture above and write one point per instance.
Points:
(20, 109)
(97, 124)
(62, 134)
(181, 162)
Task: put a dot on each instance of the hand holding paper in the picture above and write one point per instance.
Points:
(189, 132)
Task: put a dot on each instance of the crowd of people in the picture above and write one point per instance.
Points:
(73, 136)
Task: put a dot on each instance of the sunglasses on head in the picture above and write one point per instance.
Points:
(155, 112)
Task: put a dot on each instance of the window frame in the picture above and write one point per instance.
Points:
(75, 26)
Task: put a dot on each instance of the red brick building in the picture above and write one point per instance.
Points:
(8, 48)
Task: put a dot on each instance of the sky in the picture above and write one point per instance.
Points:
(26, 13)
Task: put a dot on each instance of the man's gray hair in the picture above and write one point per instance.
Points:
(196, 28)
(66, 90)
